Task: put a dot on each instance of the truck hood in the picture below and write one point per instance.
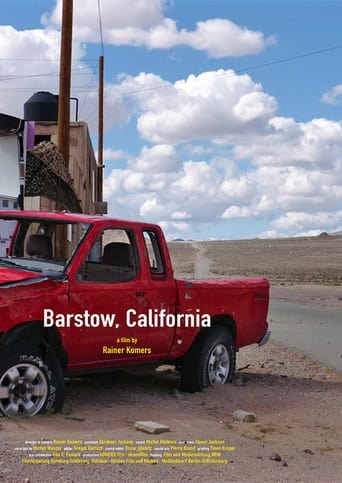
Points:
(12, 275)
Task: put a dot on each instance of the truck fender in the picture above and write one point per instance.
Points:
(224, 320)
(34, 331)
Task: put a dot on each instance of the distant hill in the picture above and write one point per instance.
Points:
(181, 240)
(324, 234)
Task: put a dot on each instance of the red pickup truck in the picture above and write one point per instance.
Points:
(83, 293)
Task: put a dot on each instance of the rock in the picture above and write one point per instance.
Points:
(151, 427)
(308, 451)
(74, 418)
(244, 416)
(275, 457)
(4, 472)
(178, 395)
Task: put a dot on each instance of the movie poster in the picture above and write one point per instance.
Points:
(170, 241)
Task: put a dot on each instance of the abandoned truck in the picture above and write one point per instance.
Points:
(83, 293)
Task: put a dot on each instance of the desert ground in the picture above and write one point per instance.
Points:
(297, 434)
(284, 261)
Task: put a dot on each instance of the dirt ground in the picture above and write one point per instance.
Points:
(297, 434)
(288, 261)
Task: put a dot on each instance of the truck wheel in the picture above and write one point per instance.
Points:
(210, 361)
(30, 384)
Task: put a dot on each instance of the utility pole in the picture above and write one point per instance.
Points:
(63, 132)
(100, 133)
(63, 135)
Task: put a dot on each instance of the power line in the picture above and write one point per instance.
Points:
(133, 91)
(4, 78)
(239, 71)
(79, 89)
(88, 90)
(289, 59)
(56, 59)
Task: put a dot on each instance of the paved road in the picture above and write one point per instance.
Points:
(312, 330)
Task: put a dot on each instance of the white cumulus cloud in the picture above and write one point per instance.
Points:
(156, 159)
(30, 63)
(333, 96)
(300, 221)
(142, 23)
(218, 105)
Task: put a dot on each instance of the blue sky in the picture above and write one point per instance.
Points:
(211, 130)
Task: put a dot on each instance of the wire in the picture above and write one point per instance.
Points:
(56, 59)
(239, 71)
(289, 59)
(4, 78)
(78, 89)
(133, 91)
(88, 91)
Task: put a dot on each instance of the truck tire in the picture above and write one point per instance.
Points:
(30, 383)
(210, 361)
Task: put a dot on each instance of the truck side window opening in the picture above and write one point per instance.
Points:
(153, 253)
(110, 259)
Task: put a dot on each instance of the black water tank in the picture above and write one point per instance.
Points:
(42, 106)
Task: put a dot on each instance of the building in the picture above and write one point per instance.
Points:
(82, 167)
(35, 175)
(35, 171)
(6, 227)
(8, 203)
